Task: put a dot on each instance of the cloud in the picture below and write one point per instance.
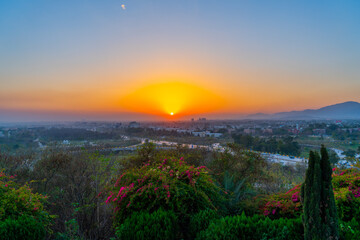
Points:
(123, 6)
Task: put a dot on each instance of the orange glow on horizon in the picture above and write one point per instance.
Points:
(172, 98)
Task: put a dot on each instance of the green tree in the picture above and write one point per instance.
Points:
(240, 164)
(329, 215)
(320, 215)
(350, 153)
(333, 158)
(311, 200)
(73, 183)
(144, 153)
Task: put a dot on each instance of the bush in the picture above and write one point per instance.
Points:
(347, 193)
(143, 225)
(24, 227)
(281, 205)
(253, 228)
(169, 184)
(21, 211)
(346, 184)
(350, 230)
(18, 200)
(200, 221)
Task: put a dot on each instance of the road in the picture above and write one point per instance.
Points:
(284, 159)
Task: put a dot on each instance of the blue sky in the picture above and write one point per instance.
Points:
(288, 54)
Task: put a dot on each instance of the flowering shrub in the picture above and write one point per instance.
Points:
(346, 184)
(167, 184)
(347, 193)
(283, 205)
(19, 204)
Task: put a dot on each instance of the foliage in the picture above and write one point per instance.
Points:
(73, 181)
(322, 210)
(59, 134)
(285, 205)
(195, 157)
(22, 227)
(283, 177)
(350, 153)
(72, 230)
(329, 216)
(235, 193)
(16, 164)
(144, 225)
(252, 228)
(333, 157)
(320, 214)
(346, 185)
(19, 206)
(169, 184)
(347, 194)
(239, 163)
(350, 230)
(148, 151)
(18, 200)
(201, 220)
(285, 146)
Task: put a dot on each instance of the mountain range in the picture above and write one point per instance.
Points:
(346, 110)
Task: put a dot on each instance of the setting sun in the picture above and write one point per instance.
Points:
(172, 98)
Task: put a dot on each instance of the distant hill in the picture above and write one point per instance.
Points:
(346, 110)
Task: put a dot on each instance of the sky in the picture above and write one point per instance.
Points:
(146, 59)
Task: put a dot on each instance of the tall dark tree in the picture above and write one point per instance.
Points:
(311, 196)
(329, 215)
(320, 216)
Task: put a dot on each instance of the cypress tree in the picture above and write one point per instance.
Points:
(320, 216)
(310, 192)
(329, 215)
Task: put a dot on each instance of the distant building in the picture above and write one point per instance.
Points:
(294, 131)
(182, 131)
(267, 130)
(134, 125)
(202, 119)
(319, 131)
(249, 131)
(214, 134)
(207, 134)
(350, 130)
(199, 134)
